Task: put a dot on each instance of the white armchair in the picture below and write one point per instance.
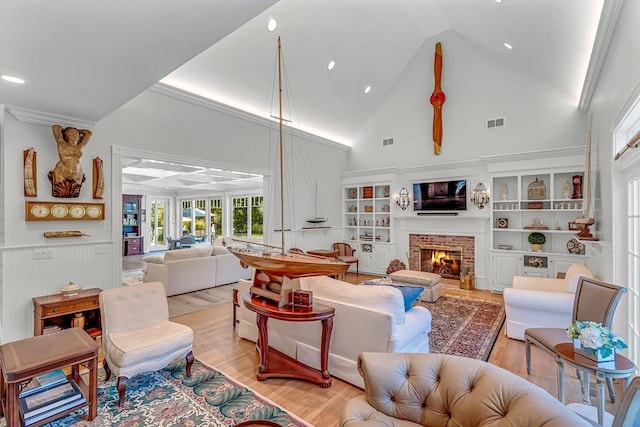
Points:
(137, 335)
(534, 302)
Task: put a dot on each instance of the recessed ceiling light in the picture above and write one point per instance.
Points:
(367, 89)
(272, 25)
(508, 46)
(498, 1)
(12, 79)
(331, 65)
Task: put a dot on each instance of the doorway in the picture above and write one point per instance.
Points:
(158, 227)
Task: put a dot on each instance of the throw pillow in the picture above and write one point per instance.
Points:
(409, 293)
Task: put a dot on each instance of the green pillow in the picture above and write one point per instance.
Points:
(409, 293)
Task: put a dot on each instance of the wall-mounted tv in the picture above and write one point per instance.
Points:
(440, 196)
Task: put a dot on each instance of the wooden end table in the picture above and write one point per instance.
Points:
(274, 364)
(22, 360)
(58, 309)
(621, 368)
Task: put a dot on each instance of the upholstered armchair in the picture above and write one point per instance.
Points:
(137, 335)
(541, 302)
(346, 254)
(410, 389)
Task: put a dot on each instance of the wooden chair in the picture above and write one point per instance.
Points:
(595, 301)
(346, 254)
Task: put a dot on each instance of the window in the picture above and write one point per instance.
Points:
(248, 216)
(633, 265)
(215, 215)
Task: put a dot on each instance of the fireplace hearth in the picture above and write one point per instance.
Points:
(442, 260)
(441, 254)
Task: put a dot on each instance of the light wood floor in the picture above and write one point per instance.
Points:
(217, 344)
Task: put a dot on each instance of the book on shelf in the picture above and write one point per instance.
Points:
(51, 328)
(37, 418)
(44, 381)
(50, 399)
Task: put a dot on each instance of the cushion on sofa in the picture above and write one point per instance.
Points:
(382, 298)
(573, 274)
(154, 259)
(187, 253)
(409, 293)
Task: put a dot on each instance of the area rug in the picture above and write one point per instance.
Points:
(170, 398)
(464, 326)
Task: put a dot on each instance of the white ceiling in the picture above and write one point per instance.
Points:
(84, 59)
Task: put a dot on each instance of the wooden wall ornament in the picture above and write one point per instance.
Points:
(29, 157)
(437, 100)
(98, 178)
(67, 176)
(61, 211)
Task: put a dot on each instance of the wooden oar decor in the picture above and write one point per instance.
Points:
(437, 100)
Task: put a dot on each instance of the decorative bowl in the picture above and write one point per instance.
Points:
(70, 289)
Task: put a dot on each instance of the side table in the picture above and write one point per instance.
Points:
(274, 364)
(621, 368)
(22, 360)
(59, 310)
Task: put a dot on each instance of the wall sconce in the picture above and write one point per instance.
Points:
(402, 199)
(480, 196)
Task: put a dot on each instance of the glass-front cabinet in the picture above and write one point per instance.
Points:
(532, 231)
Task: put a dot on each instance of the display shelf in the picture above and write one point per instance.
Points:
(132, 241)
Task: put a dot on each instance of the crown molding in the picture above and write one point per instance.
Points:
(26, 115)
(191, 98)
(608, 20)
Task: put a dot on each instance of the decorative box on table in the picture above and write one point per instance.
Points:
(592, 354)
(302, 298)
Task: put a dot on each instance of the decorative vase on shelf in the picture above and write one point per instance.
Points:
(505, 191)
(78, 321)
(567, 189)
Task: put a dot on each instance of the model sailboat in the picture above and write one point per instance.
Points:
(284, 264)
(587, 220)
(317, 219)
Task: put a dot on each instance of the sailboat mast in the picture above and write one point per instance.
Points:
(281, 146)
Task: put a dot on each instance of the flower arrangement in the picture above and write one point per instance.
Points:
(395, 265)
(596, 337)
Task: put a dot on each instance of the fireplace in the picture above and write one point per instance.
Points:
(442, 254)
(443, 260)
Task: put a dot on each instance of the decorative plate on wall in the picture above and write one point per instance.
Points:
(63, 211)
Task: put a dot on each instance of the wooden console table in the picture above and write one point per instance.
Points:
(274, 364)
(22, 360)
(59, 310)
(621, 368)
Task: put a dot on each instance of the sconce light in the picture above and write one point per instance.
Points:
(480, 196)
(403, 199)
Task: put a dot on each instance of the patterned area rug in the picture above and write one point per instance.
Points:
(170, 398)
(464, 326)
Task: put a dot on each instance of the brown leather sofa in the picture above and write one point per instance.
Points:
(409, 389)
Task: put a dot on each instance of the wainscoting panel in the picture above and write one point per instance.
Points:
(24, 277)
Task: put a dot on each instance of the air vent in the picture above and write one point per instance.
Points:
(388, 141)
(495, 123)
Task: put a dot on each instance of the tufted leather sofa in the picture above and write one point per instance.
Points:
(409, 389)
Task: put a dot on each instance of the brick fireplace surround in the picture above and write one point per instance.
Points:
(416, 241)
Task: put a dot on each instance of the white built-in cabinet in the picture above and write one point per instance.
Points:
(367, 225)
(544, 202)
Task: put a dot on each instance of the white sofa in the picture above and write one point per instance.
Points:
(367, 318)
(193, 269)
(535, 302)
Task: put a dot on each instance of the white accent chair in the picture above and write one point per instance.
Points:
(137, 335)
(535, 302)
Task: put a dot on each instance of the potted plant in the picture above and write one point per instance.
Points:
(537, 241)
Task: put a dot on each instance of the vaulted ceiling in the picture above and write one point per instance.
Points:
(85, 59)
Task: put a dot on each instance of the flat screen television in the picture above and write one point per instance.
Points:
(440, 196)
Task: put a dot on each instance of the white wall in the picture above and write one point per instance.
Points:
(479, 86)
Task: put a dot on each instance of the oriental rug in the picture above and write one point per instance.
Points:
(464, 326)
(169, 398)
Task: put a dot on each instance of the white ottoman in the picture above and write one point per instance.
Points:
(430, 282)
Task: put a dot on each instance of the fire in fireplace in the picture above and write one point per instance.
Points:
(442, 260)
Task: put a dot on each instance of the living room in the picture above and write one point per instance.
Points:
(544, 131)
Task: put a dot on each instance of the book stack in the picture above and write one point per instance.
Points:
(48, 394)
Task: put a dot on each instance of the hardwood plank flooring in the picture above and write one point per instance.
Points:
(217, 344)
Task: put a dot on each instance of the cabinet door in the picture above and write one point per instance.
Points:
(366, 261)
(504, 268)
(381, 258)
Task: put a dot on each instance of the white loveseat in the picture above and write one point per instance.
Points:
(367, 318)
(535, 302)
(193, 269)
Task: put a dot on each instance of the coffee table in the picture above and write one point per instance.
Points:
(274, 364)
(22, 360)
(620, 368)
